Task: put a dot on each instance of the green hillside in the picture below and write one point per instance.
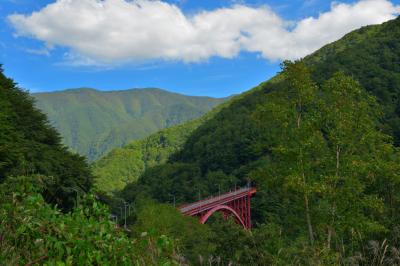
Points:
(370, 55)
(29, 145)
(315, 143)
(93, 122)
(124, 165)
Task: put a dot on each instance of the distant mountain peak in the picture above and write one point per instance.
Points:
(149, 90)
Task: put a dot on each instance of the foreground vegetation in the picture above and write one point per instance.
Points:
(32, 232)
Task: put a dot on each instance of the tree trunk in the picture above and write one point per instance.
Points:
(333, 208)
(308, 218)
(329, 237)
(337, 160)
(306, 203)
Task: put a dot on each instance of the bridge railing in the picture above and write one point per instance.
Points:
(204, 199)
(228, 196)
(209, 197)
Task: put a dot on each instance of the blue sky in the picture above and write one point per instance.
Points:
(52, 51)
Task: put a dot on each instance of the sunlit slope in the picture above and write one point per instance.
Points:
(92, 122)
(124, 165)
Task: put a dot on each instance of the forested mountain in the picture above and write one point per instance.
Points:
(316, 142)
(29, 145)
(93, 122)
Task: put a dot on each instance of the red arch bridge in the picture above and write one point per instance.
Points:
(235, 203)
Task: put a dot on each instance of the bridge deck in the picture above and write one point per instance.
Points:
(209, 203)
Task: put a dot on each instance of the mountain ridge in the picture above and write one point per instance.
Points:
(93, 122)
(138, 89)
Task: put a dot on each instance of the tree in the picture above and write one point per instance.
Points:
(357, 161)
(296, 141)
(327, 159)
(192, 238)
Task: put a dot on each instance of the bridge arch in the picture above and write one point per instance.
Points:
(205, 217)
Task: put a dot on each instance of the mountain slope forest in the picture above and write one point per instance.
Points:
(93, 122)
(125, 165)
(30, 146)
(370, 55)
(358, 54)
(48, 216)
(320, 147)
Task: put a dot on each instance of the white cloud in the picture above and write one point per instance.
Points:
(114, 31)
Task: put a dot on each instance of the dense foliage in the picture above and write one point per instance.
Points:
(35, 233)
(92, 122)
(370, 55)
(192, 239)
(29, 145)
